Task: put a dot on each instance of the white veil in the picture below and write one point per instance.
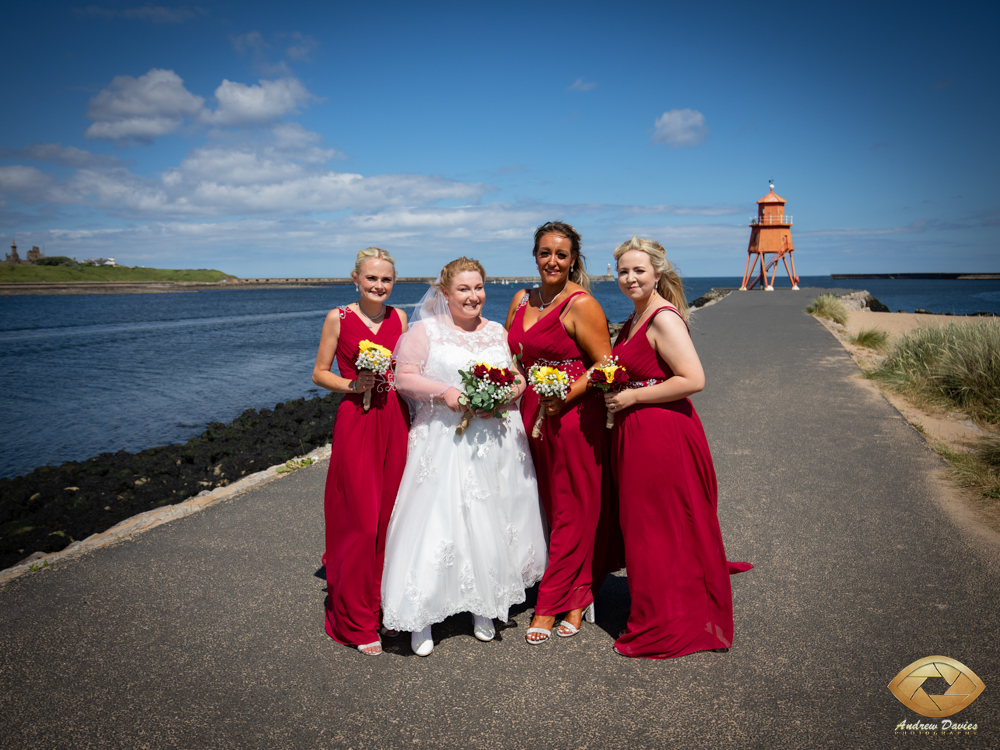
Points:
(413, 347)
(433, 305)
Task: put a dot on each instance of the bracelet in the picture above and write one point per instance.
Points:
(354, 385)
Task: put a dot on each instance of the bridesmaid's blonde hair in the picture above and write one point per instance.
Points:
(457, 266)
(371, 253)
(670, 286)
(578, 271)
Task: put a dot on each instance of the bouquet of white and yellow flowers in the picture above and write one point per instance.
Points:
(377, 359)
(547, 381)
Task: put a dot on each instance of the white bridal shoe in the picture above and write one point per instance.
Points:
(421, 642)
(482, 628)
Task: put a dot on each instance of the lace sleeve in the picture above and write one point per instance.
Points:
(410, 357)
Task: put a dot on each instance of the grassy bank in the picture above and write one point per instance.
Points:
(14, 274)
(954, 368)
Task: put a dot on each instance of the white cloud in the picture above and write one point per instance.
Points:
(143, 108)
(719, 210)
(266, 101)
(252, 41)
(680, 127)
(283, 174)
(21, 179)
(301, 47)
(580, 85)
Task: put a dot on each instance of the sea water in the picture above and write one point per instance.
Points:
(87, 374)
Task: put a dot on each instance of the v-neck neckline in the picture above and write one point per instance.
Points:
(527, 303)
(362, 317)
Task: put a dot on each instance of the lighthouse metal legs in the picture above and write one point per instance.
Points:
(752, 276)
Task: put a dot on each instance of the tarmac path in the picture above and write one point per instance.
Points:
(207, 632)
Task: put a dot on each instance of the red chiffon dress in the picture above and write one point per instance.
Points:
(678, 575)
(571, 461)
(368, 454)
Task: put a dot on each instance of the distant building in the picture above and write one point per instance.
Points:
(14, 259)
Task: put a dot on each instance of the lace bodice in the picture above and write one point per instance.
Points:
(430, 355)
(452, 350)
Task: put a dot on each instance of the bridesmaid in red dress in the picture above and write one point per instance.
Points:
(678, 576)
(560, 324)
(368, 454)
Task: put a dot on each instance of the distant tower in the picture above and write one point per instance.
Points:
(770, 234)
(12, 257)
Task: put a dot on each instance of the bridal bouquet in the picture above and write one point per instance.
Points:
(488, 388)
(608, 376)
(547, 381)
(374, 357)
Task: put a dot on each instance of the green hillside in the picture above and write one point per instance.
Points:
(11, 274)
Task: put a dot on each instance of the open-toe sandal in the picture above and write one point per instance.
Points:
(573, 629)
(375, 646)
(538, 641)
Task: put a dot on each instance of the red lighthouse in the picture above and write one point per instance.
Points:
(770, 234)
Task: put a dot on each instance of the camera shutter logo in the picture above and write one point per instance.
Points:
(964, 686)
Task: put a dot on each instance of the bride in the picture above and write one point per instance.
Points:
(466, 533)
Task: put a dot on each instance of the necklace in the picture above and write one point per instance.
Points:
(371, 322)
(543, 304)
(638, 317)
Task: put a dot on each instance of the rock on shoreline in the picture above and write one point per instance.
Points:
(53, 506)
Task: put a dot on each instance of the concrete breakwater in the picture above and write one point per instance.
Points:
(165, 287)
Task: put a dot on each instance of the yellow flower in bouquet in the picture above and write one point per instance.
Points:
(547, 381)
(608, 376)
(373, 357)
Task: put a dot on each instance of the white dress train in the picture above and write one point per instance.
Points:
(466, 533)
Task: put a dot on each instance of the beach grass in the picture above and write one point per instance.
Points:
(828, 306)
(870, 338)
(15, 274)
(978, 468)
(953, 367)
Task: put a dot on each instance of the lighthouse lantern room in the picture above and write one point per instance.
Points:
(770, 234)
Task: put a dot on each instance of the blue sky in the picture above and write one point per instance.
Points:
(279, 139)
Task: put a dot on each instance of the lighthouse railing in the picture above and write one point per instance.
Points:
(758, 220)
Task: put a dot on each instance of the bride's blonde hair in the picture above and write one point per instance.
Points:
(670, 286)
(457, 266)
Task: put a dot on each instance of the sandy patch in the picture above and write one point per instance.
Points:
(896, 324)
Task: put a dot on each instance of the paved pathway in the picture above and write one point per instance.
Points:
(207, 632)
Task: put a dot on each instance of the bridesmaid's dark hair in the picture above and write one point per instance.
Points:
(578, 271)
(670, 286)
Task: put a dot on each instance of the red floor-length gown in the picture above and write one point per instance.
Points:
(571, 461)
(368, 454)
(678, 575)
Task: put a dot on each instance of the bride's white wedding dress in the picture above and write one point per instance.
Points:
(466, 533)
